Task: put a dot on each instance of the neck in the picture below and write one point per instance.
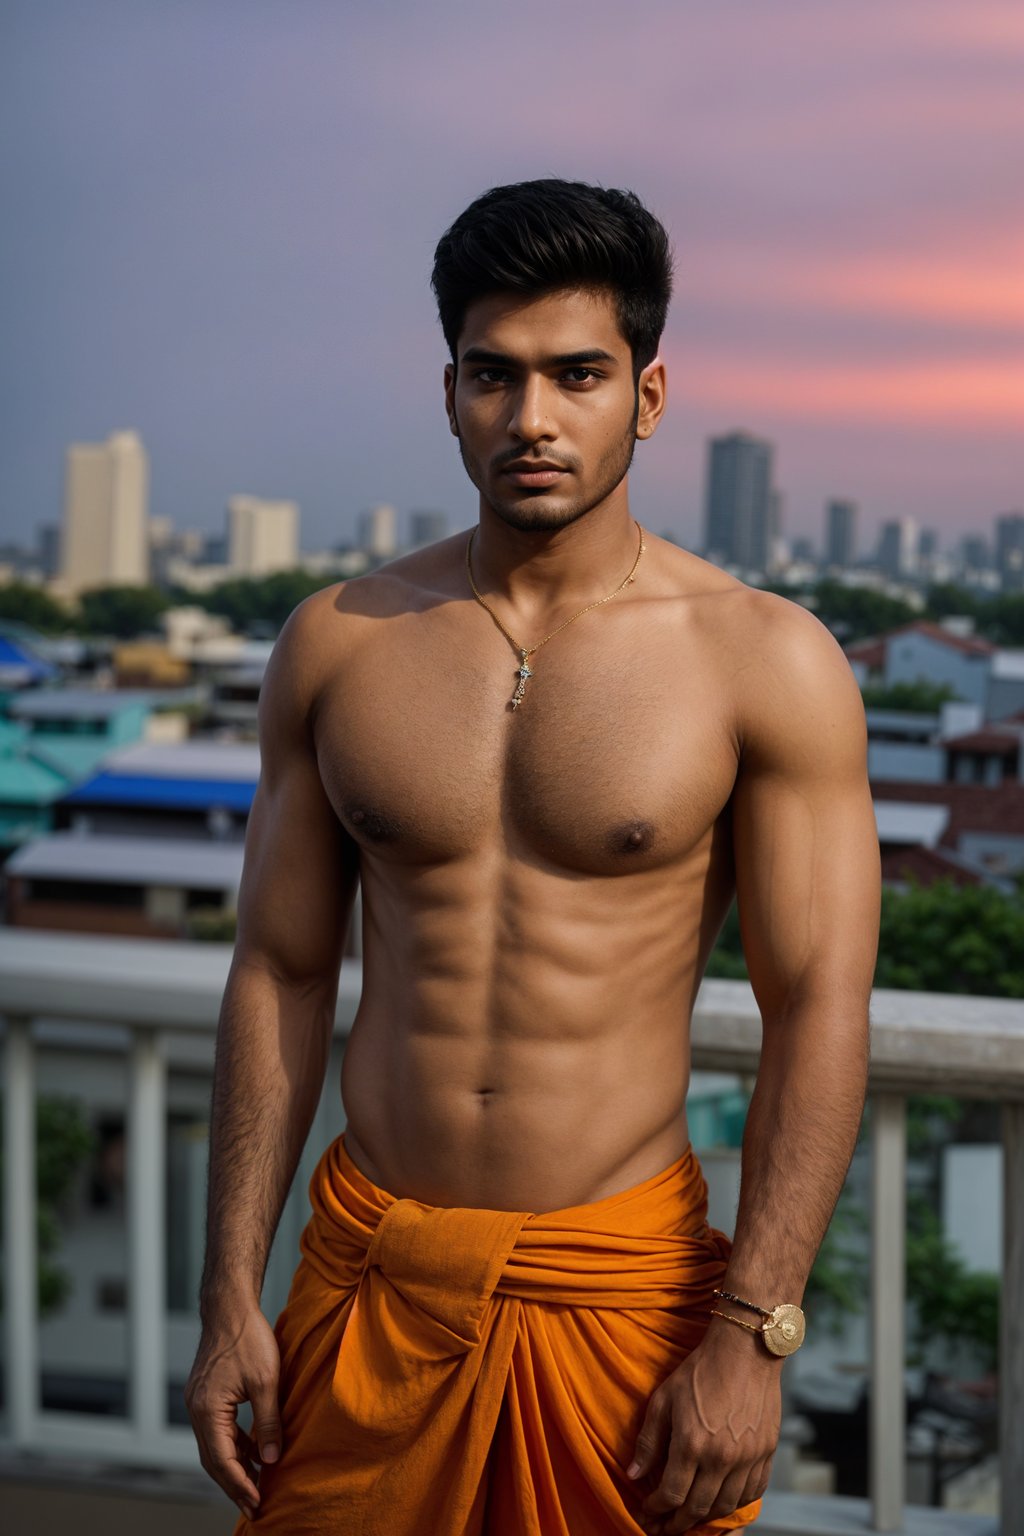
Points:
(539, 571)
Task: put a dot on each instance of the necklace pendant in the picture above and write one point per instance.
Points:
(524, 673)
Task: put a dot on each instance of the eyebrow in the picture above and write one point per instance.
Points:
(563, 360)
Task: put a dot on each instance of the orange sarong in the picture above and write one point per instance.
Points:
(450, 1371)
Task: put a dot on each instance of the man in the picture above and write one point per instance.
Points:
(550, 751)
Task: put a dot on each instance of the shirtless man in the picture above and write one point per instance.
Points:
(546, 848)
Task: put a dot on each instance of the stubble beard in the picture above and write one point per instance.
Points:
(532, 512)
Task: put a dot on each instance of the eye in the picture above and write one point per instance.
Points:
(580, 376)
(490, 375)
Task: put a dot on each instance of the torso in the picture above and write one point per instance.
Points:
(541, 888)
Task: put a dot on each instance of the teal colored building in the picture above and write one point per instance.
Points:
(50, 740)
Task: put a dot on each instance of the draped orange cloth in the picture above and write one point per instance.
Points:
(451, 1371)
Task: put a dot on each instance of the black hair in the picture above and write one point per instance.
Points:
(538, 236)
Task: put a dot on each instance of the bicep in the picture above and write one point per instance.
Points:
(301, 868)
(804, 834)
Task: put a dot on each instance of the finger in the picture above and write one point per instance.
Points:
(650, 1445)
(757, 1482)
(674, 1486)
(266, 1417)
(695, 1507)
(220, 1457)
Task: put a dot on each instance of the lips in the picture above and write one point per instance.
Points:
(533, 473)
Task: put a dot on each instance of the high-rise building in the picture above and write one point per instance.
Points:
(1010, 551)
(840, 533)
(741, 520)
(105, 533)
(975, 552)
(378, 531)
(262, 536)
(427, 527)
(49, 549)
(897, 547)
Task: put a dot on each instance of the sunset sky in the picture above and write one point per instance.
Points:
(217, 219)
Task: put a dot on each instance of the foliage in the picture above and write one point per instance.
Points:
(838, 1282)
(949, 938)
(950, 1302)
(32, 605)
(1002, 619)
(121, 611)
(920, 698)
(853, 613)
(63, 1142)
(935, 938)
(727, 959)
(263, 602)
(211, 927)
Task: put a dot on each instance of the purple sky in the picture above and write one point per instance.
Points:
(217, 220)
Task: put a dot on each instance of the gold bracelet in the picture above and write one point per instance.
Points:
(751, 1306)
(750, 1327)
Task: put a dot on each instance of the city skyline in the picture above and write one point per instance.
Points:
(214, 237)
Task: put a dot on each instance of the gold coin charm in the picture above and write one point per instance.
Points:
(784, 1329)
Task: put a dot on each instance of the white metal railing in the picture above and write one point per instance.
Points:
(921, 1042)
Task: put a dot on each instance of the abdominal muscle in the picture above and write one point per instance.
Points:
(529, 1054)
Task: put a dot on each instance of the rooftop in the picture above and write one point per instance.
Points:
(122, 860)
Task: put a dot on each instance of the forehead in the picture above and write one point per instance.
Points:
(543, 325)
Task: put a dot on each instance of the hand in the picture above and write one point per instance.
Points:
(715, 1421)
(238, 1361)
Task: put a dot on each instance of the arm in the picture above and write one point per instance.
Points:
(294, 904)
(808, 890)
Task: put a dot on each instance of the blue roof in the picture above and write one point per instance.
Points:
(163, 793)
(14, 655)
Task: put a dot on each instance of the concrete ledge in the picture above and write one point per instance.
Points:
(795, 1514)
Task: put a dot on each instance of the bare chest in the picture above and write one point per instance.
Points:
(619, 757)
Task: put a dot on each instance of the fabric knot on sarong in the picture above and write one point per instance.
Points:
(451, 1371)
(444, 1263)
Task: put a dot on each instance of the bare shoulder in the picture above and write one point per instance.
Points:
(298, 656)
(796, 694)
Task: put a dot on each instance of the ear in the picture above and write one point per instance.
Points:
(651, 387)
(449, 398)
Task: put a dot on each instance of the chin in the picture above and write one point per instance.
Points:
(535, 514)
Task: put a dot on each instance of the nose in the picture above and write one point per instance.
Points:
(531, 421)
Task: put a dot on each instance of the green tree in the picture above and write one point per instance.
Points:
(63, 1142)
(920, 698)
(855, 613)
(949, 938)
(945, 600)
(31, 605)
(933, 938)
(121, 611)
(264, 601)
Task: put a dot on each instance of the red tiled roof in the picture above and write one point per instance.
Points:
(987, 739)
(996, 808)
(872, 649)
(971, 645)
(926, 865)
(872, 652)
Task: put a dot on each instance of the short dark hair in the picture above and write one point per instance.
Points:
(538, 236)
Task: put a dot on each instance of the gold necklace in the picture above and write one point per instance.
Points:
(525, 652)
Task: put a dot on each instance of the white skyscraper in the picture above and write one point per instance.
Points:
(378, 531)
(263, 536)
(105, 533)
(897, 547)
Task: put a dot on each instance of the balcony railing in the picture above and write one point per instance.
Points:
(57, 991)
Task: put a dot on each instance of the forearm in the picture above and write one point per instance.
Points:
(800, 1134)
(273, 1041)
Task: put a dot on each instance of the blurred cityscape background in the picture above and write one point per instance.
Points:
(221, 391)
